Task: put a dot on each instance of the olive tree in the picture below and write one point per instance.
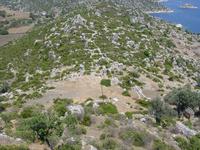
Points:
(161, 110)
(183, 98)
(43, 126)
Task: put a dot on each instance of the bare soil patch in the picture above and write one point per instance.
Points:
(83, 88)
(4, 39)
(21, 29)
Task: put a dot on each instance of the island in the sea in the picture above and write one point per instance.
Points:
(188, 6)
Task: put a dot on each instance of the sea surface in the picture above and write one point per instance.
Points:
(189, 18)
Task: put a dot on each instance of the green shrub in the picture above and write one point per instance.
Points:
(108, 144)
(133, 137)
(188, 123)
(86, 120)
(13, 147)
(3, 31)
(129, 115)
(106, 82)
(25, 133)
(27, 112)
(182, 143)
(109, 122)
(126, 93)
(104, 136)
(71, 121)
(162, 111)
(40, 126)
(60, 105)
(194, 143)
(144, 103)
(159, 145)
(183, 98)
(107, 108)
(8, 116)
(134, 74)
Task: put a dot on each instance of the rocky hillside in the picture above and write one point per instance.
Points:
(67, 5)
(105, 57)
(105, 40)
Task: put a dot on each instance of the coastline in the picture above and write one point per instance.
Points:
(160, 11)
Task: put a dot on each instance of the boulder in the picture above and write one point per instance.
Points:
(76, 110)
(182, 129)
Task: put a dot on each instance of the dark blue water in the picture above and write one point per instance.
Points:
(189, 18)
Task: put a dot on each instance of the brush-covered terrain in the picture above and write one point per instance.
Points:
(100, 75)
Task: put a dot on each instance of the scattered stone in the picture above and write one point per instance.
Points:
(77, 110)
(79, 20)
(37, 42)
(189, 113)
(182, 129)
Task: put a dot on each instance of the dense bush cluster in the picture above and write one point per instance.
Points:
(192, 143)
(183, 98)
(107, 108)
(162, 111)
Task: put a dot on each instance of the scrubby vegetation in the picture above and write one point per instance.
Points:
(137, 138)
(13, 147)
(106, 82)
(125, 50)
(60, 106)
(192, 144)
(160, 145)
(107, 108)
(183, 98)
(162, 111)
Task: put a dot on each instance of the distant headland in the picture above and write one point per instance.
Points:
(160, 11)
(188, 6)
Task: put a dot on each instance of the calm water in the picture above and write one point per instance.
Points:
(189, 18)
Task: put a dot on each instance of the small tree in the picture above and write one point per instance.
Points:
(183, 98)
(43, 126)
(161, 110)
(4, 87)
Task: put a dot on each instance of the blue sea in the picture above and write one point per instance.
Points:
(189, 18)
